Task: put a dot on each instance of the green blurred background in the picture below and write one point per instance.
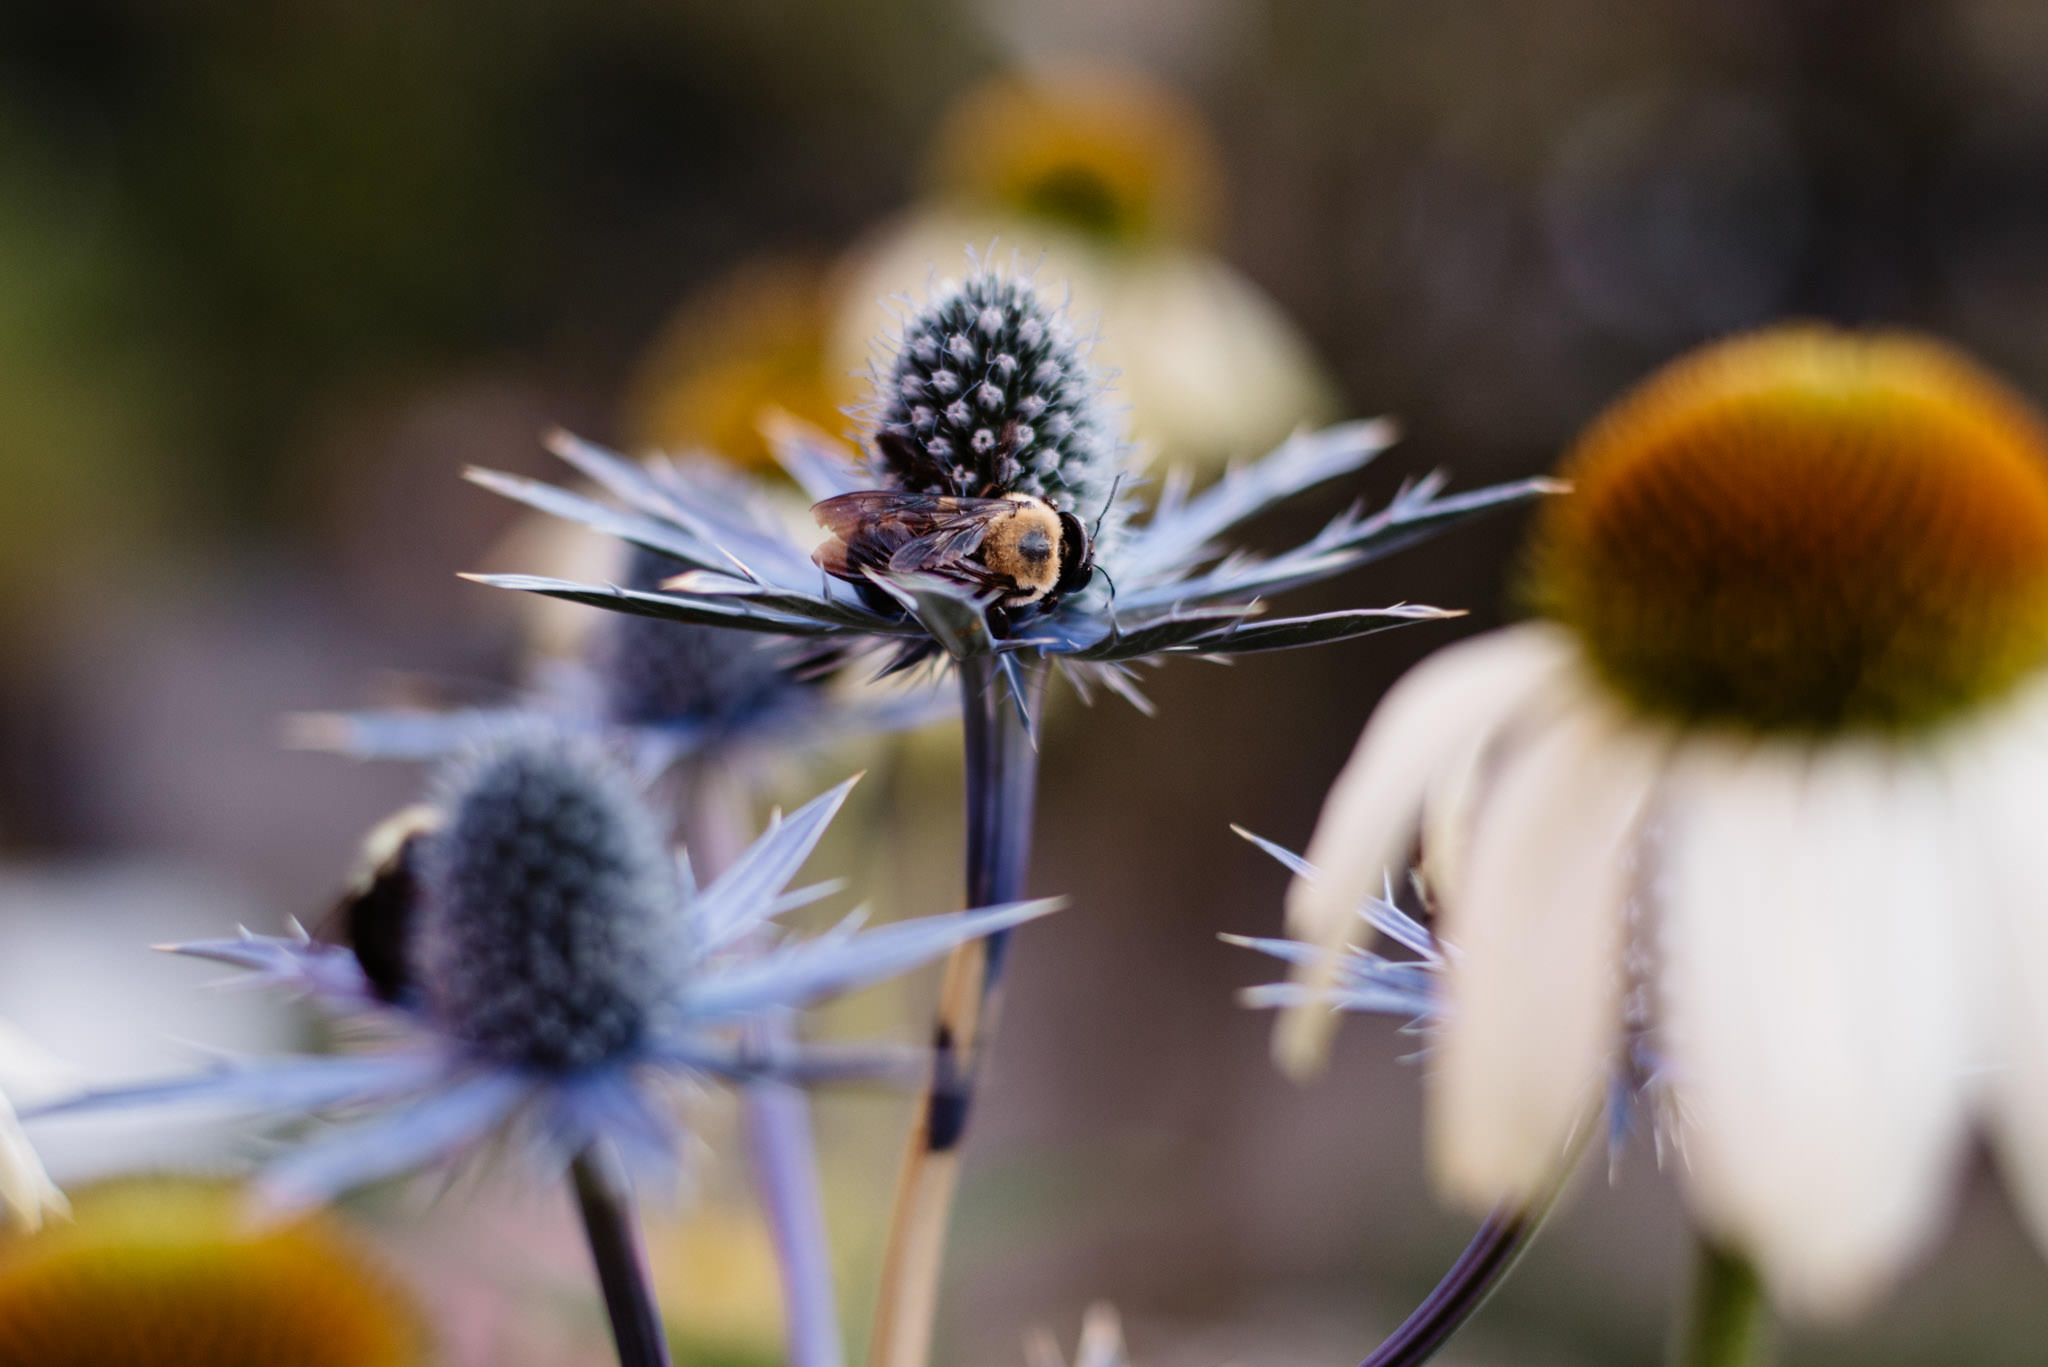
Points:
(271, 273)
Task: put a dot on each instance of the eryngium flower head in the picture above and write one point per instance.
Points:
(990, 393)
(662, 690)
(1179, 588)
(653, 673)
(546, 926)
(1764, 788)
(566, 991)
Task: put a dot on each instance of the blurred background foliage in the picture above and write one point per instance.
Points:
(270, 273)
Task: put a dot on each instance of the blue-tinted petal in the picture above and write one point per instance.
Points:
(297, 963)
(401, 733)
(814, 460)
(745, 895)
(1180, 534)
(808, 972)
(435, 1126)
(286, 1086)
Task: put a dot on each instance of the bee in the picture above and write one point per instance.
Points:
(1017, 546)
(374, 917)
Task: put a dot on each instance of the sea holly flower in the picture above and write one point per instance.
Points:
(989, 394)
(562, 976)
(1760, 786)
(663, 691)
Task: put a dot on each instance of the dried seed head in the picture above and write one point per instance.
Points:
(548, 930)
(1025, 410)
(1808, 530)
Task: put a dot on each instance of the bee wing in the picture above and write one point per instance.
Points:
(876, 528)
(943, 548)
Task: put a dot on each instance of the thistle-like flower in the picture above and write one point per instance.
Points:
(664, 691)
(561, 974)
(1762, 787)
(989, 395)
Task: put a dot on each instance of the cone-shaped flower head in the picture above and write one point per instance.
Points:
(562, 974)
(1757, 801)
(1806, 530)
(990, 393)
(547, 928)
(167, 1272)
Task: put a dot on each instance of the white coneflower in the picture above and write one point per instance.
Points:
(1777, 751)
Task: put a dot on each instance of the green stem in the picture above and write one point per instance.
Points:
(1724, 1326)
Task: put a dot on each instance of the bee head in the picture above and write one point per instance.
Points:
(1077, 556)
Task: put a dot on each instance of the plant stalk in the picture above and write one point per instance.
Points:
(1471, 1279)
(1002, 787)
(614, 1234)
(715, 827)
(1724, 1326)
(1493, 1252)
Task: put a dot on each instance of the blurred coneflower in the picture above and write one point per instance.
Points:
(753, 339)
(1114, 180)
(560, 977)
(1759, 787)
(166, 1273)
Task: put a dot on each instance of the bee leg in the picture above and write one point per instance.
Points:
(999, 622)
(876, 599)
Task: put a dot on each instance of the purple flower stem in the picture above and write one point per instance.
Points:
(614, 1234)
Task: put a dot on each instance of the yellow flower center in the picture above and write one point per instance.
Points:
(1101, 152)
(1806, 530)
(163, 1273)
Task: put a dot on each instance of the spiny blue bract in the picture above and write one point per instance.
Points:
(548, 931)
(989, 393)
(656, 672)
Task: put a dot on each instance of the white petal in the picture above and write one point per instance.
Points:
(26, 1190)
(1813, 1021)
(1444, 708)
(2001, 786)
(1536, 936)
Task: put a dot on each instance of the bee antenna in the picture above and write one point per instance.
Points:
(1107, 503)
(1112, 594)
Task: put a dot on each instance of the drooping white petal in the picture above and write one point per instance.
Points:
(1813, 1022)
(1445, 708)
(1534, 977)
(26, 1191)
(2001, 786)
